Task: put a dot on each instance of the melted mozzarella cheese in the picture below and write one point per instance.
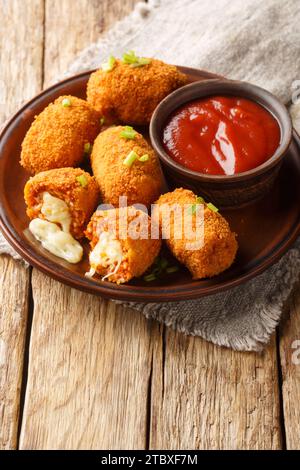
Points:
(107, 253)
(56, 241)
(53, 238)
(56, 210)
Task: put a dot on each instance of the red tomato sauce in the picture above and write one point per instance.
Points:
(221, 135)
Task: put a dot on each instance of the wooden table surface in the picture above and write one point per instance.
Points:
(78, 372)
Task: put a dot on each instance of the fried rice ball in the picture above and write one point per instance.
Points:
(141, 182)
(220, 245)
(117, 253)
(58, 136)
(75, 187)
(130, 94)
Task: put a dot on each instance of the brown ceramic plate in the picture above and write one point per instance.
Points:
(265, 230)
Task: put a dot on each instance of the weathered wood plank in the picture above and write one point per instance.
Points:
(14, 282)
(290, 364)
(89, 372)
(205, 397)
(71, 26)
(20, 79)
(21, 50)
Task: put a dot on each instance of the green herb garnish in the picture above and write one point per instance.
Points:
(144, 158)
(149, 277)
(172, 269)
(82, 180)
(102, 121)
(109, 65)
(129, 57)
(133, 60)
(212, 207)
(66, 102)
(160, 266)
(193, 208)
(130, 159)
(163, 263)
(87, 148)
(141, 62)
(128, 133)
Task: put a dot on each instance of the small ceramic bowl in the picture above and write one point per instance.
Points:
(223, 190)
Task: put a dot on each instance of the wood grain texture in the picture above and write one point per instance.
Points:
(20, 79)
(21, 51)
(71, 26)
(205, 397)
(290, 364)
(89, 372)
(13, 321)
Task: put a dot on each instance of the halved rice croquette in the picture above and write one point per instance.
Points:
(220, 245)
(66, 196)
(59, 135)
(130, 94)
(140, 181)
(115, 256)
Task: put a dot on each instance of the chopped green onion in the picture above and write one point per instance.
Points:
(66, 102)
(141, 62)
(102, 121)
(149, 277)
(132, 59)
(159, 264)
(163, 263)
(160, 267)
(109, 65)
(128, 133)
(87, 148)
(82, 180)
(144, 61)
(144, 158)
(192, 209)
(130, 159)
(129, 57)
(212, 207)
(172, 269)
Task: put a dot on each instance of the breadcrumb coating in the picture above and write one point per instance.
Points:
(142, 182)
(130, 94)
(63, 184)
(138, 254)
(58, 134)
(220, 245)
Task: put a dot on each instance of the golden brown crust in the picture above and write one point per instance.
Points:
(139, 253)
(141, 183)
(130, 95)
(220, 245)
(57, 136)
(63, 184)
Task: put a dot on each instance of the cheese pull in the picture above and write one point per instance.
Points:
(53, 239)
(107, 253)
(115, 257)
(56, 210)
